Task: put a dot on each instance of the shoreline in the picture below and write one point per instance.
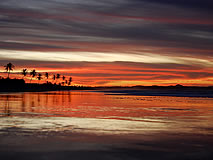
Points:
(174, 91)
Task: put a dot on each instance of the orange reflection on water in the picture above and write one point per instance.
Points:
(98, 105)
(114, 114)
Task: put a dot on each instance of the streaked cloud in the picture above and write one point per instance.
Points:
(121, 73)
(166, 36)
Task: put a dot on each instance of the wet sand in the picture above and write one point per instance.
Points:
(87, 146)
(69, 142)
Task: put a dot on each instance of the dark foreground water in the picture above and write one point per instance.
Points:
(87, 125)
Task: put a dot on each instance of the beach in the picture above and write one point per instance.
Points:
(93, 125)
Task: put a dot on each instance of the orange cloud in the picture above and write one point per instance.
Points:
(121, 73)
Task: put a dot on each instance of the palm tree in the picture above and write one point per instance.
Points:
(63, 78)
(58, 76)
(63, 83)
(70, 81)
(47, 75)
(24, 72)
(33, 74)
(54, 77)
(39, 76)
(9, 67)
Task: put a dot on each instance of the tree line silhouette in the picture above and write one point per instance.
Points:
(55, 78)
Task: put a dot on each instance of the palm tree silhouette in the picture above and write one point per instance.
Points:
(58, 76)
(63, 78)
(70, 81)
(54, 77)
(9, 67)
(24, 72)
(63, 83)
(47, 75)
(33, 74)
(39, 77)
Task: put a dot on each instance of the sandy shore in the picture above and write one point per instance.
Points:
(82, 146)
(18, 143)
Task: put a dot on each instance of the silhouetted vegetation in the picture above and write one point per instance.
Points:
(19, 85)
(33, 74)
(39, 76)
(9, 67)
(24, 72)
(47, 76)
(7, 84)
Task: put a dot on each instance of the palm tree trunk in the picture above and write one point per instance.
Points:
(8, 74)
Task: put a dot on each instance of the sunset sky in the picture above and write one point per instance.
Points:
(110, 42)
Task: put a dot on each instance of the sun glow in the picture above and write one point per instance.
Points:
(116, 69)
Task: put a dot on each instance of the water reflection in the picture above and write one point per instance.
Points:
(7, 107)
(106, 113)
(98, 105)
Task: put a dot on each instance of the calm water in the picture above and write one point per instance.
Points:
(148, 126)
(97, 112)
